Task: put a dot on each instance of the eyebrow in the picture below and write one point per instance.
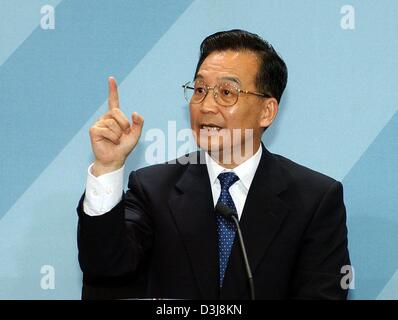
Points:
(233, 79)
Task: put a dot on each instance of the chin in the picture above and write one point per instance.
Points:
(209, 145)
(211, 142)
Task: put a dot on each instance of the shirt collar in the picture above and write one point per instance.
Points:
(245, 171)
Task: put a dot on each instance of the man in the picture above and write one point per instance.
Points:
(165, 226)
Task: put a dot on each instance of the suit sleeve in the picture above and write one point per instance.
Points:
(116, 242)
(324, 250)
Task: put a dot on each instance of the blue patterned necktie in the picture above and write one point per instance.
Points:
(225, 228)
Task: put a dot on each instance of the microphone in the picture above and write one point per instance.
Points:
(231, 215)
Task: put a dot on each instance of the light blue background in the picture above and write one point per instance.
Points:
(338, 115)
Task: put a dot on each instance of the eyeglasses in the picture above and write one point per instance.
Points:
(225, 93)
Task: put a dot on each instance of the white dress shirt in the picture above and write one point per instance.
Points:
(239, 190)
(105, 192)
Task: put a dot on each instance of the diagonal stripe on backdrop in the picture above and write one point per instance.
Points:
(371, 189)
(56, 79)
(390, 291)
(18, 19)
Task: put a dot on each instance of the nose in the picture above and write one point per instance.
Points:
(209, 104)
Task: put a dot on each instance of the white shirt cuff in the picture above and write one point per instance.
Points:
(103, 192)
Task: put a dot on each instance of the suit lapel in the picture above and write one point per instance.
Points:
(261, 219)
(193, 211)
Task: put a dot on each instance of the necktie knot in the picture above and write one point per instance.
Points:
(227, 179)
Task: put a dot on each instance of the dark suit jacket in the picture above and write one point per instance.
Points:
(293, 223)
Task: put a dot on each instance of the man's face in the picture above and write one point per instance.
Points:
(213, 123)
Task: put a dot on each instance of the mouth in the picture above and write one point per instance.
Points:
(210, 127)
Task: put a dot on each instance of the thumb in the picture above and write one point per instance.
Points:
(138, 120)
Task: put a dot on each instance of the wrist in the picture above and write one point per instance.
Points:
(99, 168)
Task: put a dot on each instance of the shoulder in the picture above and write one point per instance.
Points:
(303, 179)
(307, 190)
(300, 172)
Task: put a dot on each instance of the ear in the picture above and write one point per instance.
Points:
(269, 112)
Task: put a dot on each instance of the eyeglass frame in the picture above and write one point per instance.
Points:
(208, 88)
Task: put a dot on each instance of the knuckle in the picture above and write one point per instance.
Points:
(115, 138)
(115, 112)
(99, 120)
(120, 126)
(124, 123)
(111, 122)
(118, 113)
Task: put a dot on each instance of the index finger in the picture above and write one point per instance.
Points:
(113, 97)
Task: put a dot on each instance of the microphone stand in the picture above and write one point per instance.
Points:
(228, 213)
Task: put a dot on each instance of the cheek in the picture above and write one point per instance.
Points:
(240, 118)
(246, 120)
(230, 117)
(251, 116)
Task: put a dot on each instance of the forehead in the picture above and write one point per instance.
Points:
(242, 65)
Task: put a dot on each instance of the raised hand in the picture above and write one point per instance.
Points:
(112, 136)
